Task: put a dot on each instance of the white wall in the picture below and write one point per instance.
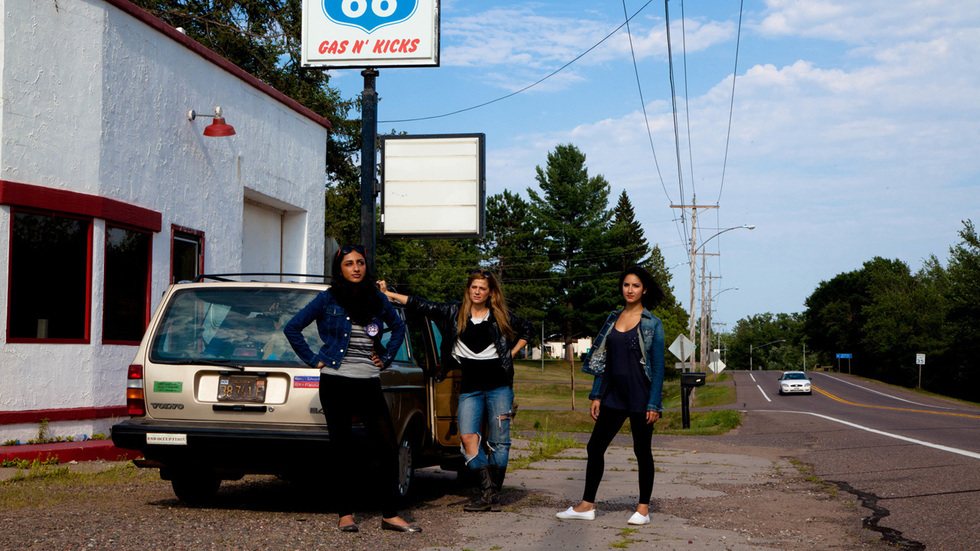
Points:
(95, 101)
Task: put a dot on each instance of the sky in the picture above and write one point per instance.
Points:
(852, 129)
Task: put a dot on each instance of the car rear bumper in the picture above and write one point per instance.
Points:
(242, 449)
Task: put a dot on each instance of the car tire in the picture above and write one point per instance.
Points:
(406, 464)
(195, 489)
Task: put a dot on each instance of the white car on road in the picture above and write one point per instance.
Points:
(794, 382)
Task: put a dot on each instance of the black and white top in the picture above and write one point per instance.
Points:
(478, 358)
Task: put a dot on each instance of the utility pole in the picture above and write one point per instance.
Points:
(369, 138)
(694, 225)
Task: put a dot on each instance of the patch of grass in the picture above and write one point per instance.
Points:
(703, 423)
(538, 395)
(52, 486)
(626, 540)
(559, 421)
(543, 446)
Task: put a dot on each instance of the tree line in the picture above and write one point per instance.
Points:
(882, 315)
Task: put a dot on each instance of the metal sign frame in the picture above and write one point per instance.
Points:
(370, 33)
(428, 182)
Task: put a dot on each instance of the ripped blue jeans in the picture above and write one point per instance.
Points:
(494, 446)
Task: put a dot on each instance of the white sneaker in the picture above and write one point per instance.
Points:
(572, 514)
(637, 518)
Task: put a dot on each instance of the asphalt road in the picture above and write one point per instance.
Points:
(914, 460)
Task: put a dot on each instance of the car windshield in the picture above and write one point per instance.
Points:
(231, 324)
(794, 376)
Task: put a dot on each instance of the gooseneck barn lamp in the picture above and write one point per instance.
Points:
(218, 127)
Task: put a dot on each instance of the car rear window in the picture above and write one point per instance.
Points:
(232, 324)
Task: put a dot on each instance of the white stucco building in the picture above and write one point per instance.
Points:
(108, 193)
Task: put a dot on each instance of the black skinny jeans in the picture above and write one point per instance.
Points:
(345, 397)
(606, 426)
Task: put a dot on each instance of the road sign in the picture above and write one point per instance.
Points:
(920, 359)
(682, 348)
(716, 366)
(370, 33)
(843, 356)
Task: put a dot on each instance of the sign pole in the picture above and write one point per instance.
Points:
(369, 136)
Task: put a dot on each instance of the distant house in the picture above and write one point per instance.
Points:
(556, 349)
(108, 193)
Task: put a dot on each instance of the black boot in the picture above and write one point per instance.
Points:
(497, 479)
(484, 501)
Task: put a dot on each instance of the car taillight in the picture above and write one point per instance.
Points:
(135, 404)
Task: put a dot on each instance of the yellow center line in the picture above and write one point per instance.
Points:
(843, 401)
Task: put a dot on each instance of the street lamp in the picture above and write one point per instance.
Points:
(694, 252)
(760, 346)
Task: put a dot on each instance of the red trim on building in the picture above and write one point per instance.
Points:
(72, 414)
(196, 47)
(72, 202)
(66, 452)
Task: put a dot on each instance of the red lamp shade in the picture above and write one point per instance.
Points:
(218, 128)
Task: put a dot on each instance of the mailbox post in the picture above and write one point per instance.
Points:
(688, 382)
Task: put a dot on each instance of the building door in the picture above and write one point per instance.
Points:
(261, 238)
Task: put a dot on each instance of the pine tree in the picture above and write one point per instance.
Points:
(574, 215)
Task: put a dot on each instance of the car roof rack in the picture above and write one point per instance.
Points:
(227, 277)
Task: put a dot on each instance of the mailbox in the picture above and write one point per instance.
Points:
(692, 379)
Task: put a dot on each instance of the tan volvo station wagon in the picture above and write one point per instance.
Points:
(215, 392)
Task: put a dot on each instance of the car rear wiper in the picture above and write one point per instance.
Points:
(201, 361)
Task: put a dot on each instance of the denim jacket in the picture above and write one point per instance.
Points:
(334, 326)
(652, 346)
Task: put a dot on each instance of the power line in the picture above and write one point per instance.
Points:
(528, 87)
(643, 104)
(731, 108)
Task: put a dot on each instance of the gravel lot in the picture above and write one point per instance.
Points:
(125, 508)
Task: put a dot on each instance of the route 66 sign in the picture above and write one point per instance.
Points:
(368, 14)
(370, 33)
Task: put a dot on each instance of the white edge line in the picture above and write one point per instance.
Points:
(890, 435)
(763, 393)
(838, 379)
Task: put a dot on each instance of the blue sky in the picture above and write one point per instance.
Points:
(855, 130)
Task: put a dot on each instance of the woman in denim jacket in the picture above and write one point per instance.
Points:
(481, 337)
(350, 317)
(627, 360)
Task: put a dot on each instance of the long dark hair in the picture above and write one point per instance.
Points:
(361, 301)
(653, 295)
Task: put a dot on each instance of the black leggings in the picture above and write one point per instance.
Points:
(606, 426)
(345, 397)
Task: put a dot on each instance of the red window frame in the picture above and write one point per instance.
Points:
(87, 329)
(149, 281)
(60, 202)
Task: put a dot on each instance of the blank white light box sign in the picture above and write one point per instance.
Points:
(433, 186)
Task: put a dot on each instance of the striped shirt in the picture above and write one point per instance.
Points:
(357, 362)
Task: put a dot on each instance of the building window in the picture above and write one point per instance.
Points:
(127, 285)
(187, 254)
(50, 277)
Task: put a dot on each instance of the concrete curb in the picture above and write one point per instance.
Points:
(66, 452)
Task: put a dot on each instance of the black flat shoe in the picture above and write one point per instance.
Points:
(385, 525)
(349, 528)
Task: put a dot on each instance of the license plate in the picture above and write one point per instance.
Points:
(241, 388)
